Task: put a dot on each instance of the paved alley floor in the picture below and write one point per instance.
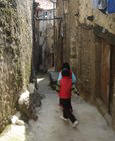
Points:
(49, 127)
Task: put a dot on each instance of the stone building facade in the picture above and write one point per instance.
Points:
(44, 35)
(15, 54)
(86, 36)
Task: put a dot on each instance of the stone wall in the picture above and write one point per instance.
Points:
(44, 31)
(49, 49)
(36, 51)
(113, 86)
(86, 31)
(104, 38)
(105, 20)
(15, 53)
(58, 38)
(80, 46)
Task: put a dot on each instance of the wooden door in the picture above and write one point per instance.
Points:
(112, 71)
(105, 73)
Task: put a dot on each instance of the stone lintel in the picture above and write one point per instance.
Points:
(104, 34)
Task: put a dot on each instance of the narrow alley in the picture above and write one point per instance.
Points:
(50, 127)
(92, 126)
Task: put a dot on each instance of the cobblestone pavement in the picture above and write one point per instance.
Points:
(49, 127)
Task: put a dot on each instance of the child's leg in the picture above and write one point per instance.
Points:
(71, 109)
(61, 103)
(67, 111)
(71, 117)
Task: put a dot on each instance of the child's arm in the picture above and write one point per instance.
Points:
(73, 78)
(59, 76)
(74, 89)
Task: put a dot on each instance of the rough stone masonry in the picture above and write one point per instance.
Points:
(15, 54)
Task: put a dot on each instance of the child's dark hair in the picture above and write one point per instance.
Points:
(65, 72)
(66, 66)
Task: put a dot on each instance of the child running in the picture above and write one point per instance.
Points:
(65, 97)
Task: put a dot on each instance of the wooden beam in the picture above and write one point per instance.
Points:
(104, 34)
(42, 19)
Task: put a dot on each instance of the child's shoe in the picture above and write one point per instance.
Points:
(65, 119)
(75, 123)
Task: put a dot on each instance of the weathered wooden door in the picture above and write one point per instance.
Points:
(112, 71)
(105, 73)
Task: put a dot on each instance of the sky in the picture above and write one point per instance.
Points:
(45, 4)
